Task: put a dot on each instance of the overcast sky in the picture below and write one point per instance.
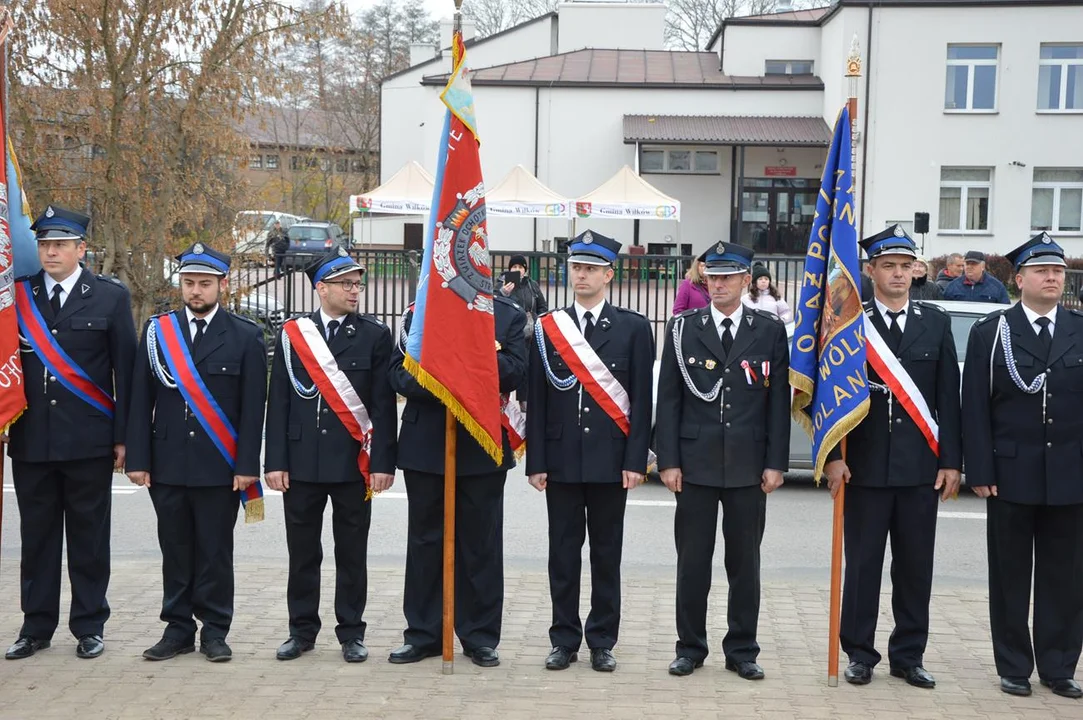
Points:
(437, 8)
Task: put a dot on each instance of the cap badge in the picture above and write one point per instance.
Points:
(198, 249)
(342, 252)
(720, 248)
(588, 238)
(49, 212)
(899, 232)
(1046, 239)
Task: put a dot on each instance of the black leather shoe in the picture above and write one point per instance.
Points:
(858, 673)
(916, 676)
(1015, 686)
(483, 656)
(684, 666)
(24, 647)
(90, 646)
(560, 657)
(354, 651)
(292, 648)
(216, 650)
(746, 669)
(411, 654)
(602, 660)
(1065, 687)
(167, 648)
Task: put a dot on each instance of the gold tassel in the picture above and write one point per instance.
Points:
(253, 511)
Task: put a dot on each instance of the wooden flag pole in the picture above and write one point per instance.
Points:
(449, 543)
(836, 584)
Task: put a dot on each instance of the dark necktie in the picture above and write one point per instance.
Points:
(727, 335)
(894, 329)
(332, 328)
(201, 326)
(54, 301)
(588, 322)
(1044, 336)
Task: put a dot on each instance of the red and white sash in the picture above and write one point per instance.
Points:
(901, 385)
(308, 342)
(589, 369)
(513, 419)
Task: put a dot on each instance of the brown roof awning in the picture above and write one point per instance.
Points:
(726, 130)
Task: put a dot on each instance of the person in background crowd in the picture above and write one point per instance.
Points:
(952, 270)
(975, 284)
(920, 286)
(279, 242)
(527, 293)
(692, 293)
(763, 294)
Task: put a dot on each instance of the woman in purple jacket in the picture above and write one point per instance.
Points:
(692, 292)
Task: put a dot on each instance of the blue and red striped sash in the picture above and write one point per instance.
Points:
(56, 361)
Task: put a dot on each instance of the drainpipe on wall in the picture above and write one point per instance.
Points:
(537, 114)
(865, 122)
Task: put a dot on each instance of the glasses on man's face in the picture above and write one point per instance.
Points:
(347, 285)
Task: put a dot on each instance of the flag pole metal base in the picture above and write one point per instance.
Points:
(832, 680)
(449, 668)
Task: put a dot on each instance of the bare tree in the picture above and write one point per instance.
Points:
(493, 16)
(690, 23)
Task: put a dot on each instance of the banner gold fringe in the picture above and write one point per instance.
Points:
(12, 421)
(253, 511)
(427, 381)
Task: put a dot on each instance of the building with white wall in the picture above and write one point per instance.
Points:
(969, 110)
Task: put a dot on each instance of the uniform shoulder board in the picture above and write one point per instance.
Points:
(374, 320)
(245, 318)
(764, 314)
(1076, 311)
(507, 301)
(990, 316)
(110, 279)
(630, 311)
(925, 305)
(24, 277)
(689, 313)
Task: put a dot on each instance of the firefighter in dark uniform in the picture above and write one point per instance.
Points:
(723, 436)
(1022, 390)
(194, 488)
(581, 457)
(64, 448)
(479, 508)
(311, 456)
(893, 473)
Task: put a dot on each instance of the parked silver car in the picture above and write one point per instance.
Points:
(963, 317)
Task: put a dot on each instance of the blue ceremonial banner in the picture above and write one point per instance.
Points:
(827, 361)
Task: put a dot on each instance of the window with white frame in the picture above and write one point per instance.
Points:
(255, 161)
(272, 162)
(972, 78)
(787, 67)
(691, 161)
(965, 196)
(1060, 77)
(1057, 200)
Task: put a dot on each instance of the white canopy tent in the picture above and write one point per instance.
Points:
(407, 192)
(520, 194)
(628, 196)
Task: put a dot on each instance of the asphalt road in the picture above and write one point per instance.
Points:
(796, 544)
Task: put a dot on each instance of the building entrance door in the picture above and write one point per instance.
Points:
(776, 215)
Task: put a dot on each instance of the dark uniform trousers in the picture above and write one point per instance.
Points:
(303, 505)
(53, 497)
(307, 439)
(1028, 446)
(573, 509)
(479, 501)
(695, 524)
(891, 491)
(61, 452)
(195, 534)
(479, 559)
(191, 482)
(722, 448)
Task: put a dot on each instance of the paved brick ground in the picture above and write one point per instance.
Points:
(55, 683)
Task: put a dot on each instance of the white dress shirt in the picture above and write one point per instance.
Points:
(718, 316)
(595, 313)
(1033, 316)
(883, 310)
(192, 321)
(66, 285)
